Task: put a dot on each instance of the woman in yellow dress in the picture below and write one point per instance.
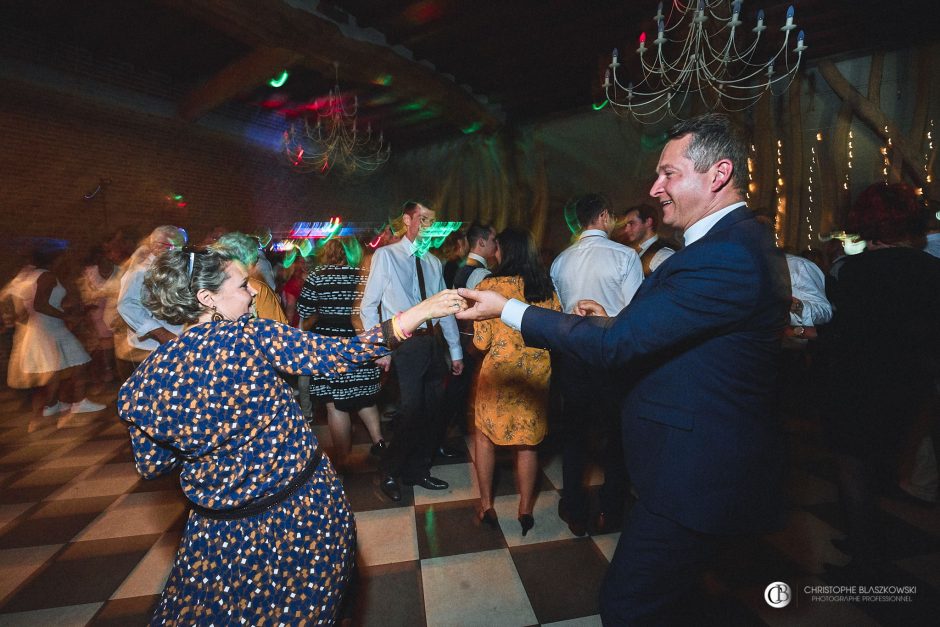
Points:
(511, 406)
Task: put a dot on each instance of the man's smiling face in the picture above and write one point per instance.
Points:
(682, 192)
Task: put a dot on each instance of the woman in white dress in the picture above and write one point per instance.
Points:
(48, 353)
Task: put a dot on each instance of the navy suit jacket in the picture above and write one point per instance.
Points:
(698, 347)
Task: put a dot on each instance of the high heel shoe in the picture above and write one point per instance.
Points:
(526, 522)
(489, 517)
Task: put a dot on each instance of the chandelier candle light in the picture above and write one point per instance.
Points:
(335, 139)
(712, 63)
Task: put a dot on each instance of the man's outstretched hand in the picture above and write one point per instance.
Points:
(485, 304)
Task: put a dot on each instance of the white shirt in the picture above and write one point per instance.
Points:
(808, 284)
(659, 256)
(139, 320)
(514, 309)
(393, 286)
(597, 268)
(478, 274)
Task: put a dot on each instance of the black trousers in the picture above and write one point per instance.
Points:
(591, 405)
(421, 367)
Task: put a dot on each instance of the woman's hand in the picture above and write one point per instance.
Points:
(444, 303)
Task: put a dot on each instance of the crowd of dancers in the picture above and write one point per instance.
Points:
(224, 354)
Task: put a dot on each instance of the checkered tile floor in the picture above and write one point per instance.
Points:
(84, 541)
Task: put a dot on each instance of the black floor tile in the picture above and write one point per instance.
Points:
(362, 490)
(125, 612)
(386, 595)
(452, 529)
(84, 572)
(562, 579)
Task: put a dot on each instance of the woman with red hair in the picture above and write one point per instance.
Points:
(883, 348)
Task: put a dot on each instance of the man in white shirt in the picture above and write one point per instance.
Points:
(595, 268)
(402, 275)
(482, 256)
(701, 341)
(145, 332)
(810, 307)
(639, 232)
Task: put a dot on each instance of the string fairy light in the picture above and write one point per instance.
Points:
(778, 190)
(751, 185)
(809, 193)
(885, 152)
(845, 183)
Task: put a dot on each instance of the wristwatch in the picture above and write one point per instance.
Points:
(798, 331)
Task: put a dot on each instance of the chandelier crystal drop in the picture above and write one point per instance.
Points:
(709, 60)
(334, 139)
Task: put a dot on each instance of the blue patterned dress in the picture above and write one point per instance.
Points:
(211, 403)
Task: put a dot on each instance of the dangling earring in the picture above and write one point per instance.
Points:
(216, 316)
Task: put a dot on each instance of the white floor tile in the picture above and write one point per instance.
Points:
(490, 591)
(607, 543)
(150, 574)
(387, 536)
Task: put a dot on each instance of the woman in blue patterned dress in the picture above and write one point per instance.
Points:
(270, 537)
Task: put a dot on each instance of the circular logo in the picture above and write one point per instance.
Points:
(778, 594)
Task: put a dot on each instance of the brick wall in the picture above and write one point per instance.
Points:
(56, 146)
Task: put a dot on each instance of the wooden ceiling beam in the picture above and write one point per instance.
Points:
(276, 24)
(240, 77)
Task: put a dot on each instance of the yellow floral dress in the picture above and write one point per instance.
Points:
(512, 388)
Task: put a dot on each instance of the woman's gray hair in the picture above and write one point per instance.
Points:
(177, 275)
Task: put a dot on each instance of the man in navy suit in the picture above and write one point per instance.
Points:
(699, 343)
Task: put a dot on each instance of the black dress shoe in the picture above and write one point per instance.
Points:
(390, 488)
(428, 483)
(446, 452)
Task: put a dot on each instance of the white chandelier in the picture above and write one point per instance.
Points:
(334, 141)
(713, 64)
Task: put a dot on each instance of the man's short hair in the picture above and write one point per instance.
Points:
(645, 212)
(410, 206)
(715, 137)
(477, 231)
(589, 207)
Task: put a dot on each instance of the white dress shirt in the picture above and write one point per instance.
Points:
(478, 274)
(808, 284)
(393, 286)
(659, 256)
(597, 268)
(138, 318)
(514, 309)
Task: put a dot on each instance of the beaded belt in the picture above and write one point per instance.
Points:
(265, 503)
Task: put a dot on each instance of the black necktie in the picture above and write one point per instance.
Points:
(421, 289)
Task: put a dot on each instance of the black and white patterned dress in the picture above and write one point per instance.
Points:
(332, 293)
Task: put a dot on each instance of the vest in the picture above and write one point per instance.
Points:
(647, 258)
(463, 274)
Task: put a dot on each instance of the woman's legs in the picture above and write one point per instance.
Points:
(340, 432)
(47, 395)
(527, 468)
(485, 462)
(370, 418)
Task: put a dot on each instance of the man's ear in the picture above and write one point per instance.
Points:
(205, 298)
(722, 174)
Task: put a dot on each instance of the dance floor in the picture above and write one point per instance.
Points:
(84, 541)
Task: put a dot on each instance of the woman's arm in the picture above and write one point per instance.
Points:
(44, 286)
